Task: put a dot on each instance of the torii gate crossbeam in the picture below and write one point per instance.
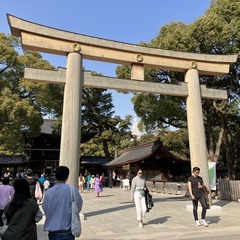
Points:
(76, 47)
(90, 81)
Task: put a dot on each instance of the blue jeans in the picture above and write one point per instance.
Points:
(60, 236)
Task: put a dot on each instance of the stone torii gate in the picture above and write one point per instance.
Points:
(77, 47)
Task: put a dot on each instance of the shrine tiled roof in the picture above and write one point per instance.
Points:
(141, 152)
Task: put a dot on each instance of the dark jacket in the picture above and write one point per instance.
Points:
(205, 192)
(32, 181)
(148, 199)
(22, 225)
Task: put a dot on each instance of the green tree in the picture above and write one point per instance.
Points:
(115, 137)
(101, 132)
(216, 32)
(176, 142)
(22, 103)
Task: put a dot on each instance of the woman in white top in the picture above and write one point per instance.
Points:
(81, 182)
(138, 195)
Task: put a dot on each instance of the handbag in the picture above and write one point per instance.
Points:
(76, 227)
(38, 191)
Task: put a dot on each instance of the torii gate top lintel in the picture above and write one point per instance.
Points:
(51, 40)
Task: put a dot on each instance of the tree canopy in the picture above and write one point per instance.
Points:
(22, 103)
(216, 32)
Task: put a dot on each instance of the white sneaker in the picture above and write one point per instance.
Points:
(140, 224)
(204, 223)
(198, 223)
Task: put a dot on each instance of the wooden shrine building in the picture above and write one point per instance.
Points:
(157, 163)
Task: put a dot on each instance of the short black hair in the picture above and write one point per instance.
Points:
(29, 172)
(21, 187)
(196, 169)
(62, 173)
(5, 181)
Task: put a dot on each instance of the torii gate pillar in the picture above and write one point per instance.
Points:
(197, 139)
(71, 122)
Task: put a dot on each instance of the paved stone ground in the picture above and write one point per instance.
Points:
(113, 216)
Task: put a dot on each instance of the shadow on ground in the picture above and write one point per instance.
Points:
(104, 211)
(160, 220)
(222, 203)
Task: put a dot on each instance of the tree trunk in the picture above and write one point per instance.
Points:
(231, 162)
(213, 155)
(106, 151)
(230, 143)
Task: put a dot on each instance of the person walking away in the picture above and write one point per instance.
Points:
(42, 179)
(52, 178)
(35, 187)
(88, 180)
(81, 181)
(110, 181)
(22, 213)
(92, 182)
(102, 180)
(130, 179)
(138, 195)
(98, 185)
(6, 194)
(46, 184)
(195, 186)
(56, 206)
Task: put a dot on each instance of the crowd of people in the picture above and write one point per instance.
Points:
(19, 209)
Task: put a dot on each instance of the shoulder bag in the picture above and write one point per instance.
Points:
(76, 227)
(5, 226)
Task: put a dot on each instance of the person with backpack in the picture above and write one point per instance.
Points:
(35, 187)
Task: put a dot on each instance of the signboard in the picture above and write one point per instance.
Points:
(126, 167)
(212, 174)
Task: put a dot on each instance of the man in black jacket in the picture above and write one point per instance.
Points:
(195, 186)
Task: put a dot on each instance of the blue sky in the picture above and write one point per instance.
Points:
(130, 21)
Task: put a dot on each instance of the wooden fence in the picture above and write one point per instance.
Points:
(168, 187)
(229, 189)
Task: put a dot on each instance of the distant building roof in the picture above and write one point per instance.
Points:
(138, 153)
(93, 160)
